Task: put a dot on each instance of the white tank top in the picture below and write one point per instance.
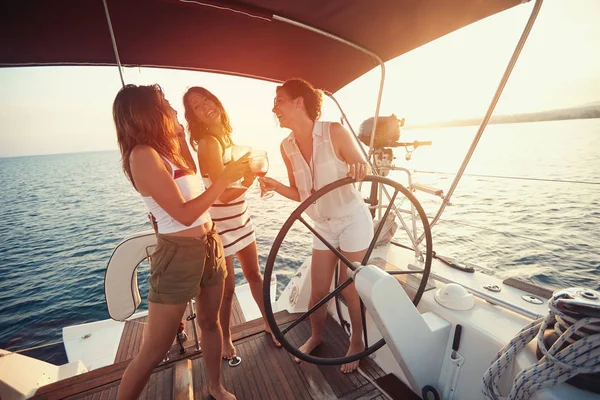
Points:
(190, 187)
(324, 167)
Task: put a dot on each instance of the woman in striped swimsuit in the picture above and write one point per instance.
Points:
(210, 136)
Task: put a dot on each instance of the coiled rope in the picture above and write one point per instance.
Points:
(580, 356)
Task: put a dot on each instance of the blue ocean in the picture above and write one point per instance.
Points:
(61, 216)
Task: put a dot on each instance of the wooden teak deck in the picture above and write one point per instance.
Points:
(131, 338)
(266, 372)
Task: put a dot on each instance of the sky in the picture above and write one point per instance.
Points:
(48, 110)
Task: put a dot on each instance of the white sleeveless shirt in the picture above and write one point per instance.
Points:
(324, 167)
(190, 186)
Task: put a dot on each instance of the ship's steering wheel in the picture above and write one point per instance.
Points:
(297, 216)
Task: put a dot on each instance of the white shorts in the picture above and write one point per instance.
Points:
(352, 233)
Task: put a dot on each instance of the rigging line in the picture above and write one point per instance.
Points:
(86, 336)
(488, 114)
(452, 221)
(114, 42)
(500, 232)
(510, 177)
(34, 347)
(516, 235)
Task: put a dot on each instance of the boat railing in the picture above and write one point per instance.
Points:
(382, 166)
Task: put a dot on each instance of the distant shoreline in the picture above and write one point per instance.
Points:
(61, 154)
(588, 112)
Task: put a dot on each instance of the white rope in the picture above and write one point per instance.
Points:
(581, 356)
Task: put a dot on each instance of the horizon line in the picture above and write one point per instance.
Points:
(59, 154)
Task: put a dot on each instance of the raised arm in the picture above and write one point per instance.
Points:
(211, 162)
(348, 151)
(152, 178)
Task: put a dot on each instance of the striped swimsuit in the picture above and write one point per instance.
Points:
(232, 219)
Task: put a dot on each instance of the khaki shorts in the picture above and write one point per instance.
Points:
(181, 266)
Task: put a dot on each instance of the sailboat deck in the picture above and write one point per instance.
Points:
(266, 372)
(131, 338)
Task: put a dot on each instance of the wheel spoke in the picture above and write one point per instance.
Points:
(401, 245)
(379, 229)
(330, 247)
(317, 306)
(406, 230)
(363, 316)
(394, 206)
(343, 322)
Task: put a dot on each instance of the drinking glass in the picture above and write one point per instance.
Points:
(259, 164)
(237, 152)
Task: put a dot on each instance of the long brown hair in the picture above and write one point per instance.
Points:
(143, 116)
(197, 129)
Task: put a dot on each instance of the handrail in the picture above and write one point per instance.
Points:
(355, 46)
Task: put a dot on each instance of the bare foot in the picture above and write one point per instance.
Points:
(268, 330)
(352, 366)
(308, 347)
(228, 352)
(220, 393)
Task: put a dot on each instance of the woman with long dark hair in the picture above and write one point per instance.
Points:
(188, 260)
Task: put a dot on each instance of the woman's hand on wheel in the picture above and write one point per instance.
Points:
(358, 171)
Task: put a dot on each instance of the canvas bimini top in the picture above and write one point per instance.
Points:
(256, 38)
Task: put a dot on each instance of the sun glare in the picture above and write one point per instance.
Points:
(453, 77)
(456, 76)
